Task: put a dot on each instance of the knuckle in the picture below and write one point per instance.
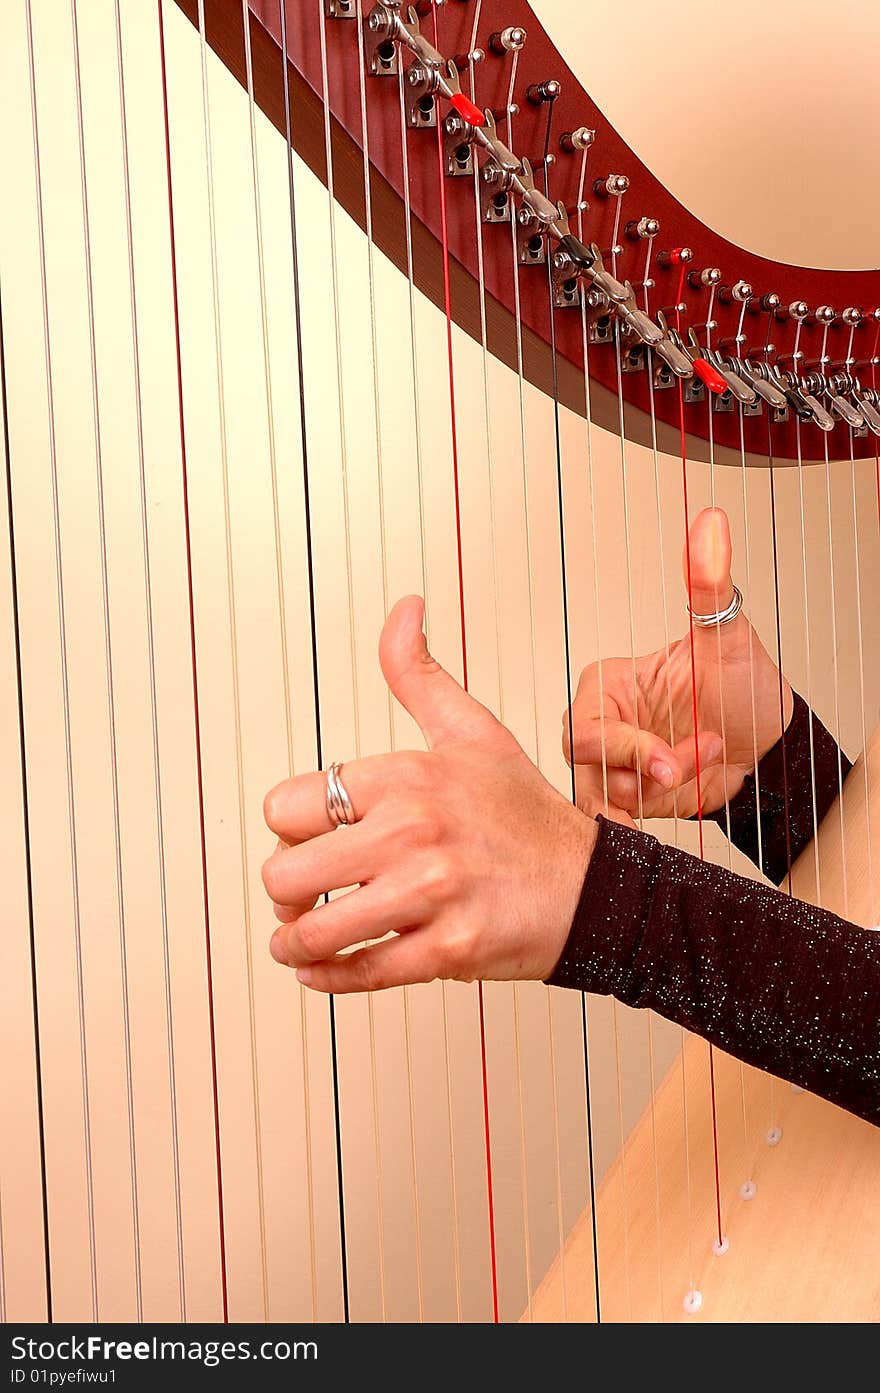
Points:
(439, 880)
(458, 957)
(421, 822)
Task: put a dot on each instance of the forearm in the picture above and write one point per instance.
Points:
(778, 983)
(777, 811)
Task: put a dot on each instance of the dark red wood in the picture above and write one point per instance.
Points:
(538, 61)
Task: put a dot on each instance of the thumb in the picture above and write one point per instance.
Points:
(706, 562)
(442, 709)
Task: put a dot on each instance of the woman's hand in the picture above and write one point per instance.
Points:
(643, 714)
(465, 853)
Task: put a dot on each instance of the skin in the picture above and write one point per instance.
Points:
(643, 713)
(466, 863)
(464, 852)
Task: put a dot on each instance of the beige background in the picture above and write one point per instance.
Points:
(113, 802)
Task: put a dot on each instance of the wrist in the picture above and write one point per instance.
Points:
(575, 844)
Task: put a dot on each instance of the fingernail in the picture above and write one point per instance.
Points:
(278, 948)
(661, 773)
(715, 750)
(305, 975)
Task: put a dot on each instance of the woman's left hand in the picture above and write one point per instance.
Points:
(464, 852)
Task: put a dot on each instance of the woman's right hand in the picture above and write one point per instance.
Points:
(631, 723)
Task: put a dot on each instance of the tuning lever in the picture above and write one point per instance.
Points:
(709, 375)
(739, 389)
(766, 390)
(581, 255)
(868, 409)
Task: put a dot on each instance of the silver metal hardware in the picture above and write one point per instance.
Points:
(866, 400)
(582, 138)
(617, 185)
(646, 227)
(754, 375)
(839, 404)
(509, 39)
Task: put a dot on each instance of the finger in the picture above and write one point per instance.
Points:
(707, 560)
(442, 709)
(296, 809)
(618, 745)
(708, 746)
(622, 786)
(297, 875)
(286, 913)
(372, 911)
(397, 962)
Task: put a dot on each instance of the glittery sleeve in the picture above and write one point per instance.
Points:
(772, 817)
(775, 982)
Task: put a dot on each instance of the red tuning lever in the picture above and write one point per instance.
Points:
(467, 109)
(710, 376)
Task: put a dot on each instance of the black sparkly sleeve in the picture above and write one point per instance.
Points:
(784, 986)
(772, 818)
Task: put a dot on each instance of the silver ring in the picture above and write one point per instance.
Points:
(722, 616)
(339, 806)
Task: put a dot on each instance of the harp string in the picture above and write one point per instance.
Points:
(861, 648)
(773, 1091)
(303, 1010)
(720, 665)
(834, 657)
(655, 461)
(499, 637)
(279, 564)
(65, 682)
(22, 761)
(340, 390)
(417, 421)
(695, 708)
(591, 487)
(380, 493)
(807, 636)
(190, 595)
(244, 852)
(560, 494)
(26, 834)
(527, 523)
(624, 494)
(748, 1147)
(458, 531)
(111, 725)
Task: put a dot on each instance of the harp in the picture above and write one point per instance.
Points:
(306, 305)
